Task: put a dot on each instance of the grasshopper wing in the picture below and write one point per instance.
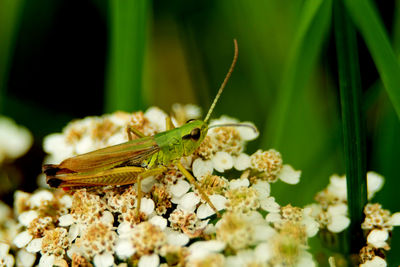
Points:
(133, 152)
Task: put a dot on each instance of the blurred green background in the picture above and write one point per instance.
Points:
(61, 60)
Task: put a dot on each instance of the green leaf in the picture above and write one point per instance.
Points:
(353, 123)
(367, 20)
(313, 26)
(128, 27)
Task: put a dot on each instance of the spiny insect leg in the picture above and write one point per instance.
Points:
(192, 180)
(142, 176)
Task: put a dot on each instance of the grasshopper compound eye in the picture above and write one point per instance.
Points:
(195, 134)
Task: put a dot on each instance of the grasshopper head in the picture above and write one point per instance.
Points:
(193, 133)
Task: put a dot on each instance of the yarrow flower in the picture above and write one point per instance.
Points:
(175, 226)
(15, 140)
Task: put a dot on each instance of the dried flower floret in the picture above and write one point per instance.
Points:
(242, 199)
(268, 163)
(55, 242)
(96, 239)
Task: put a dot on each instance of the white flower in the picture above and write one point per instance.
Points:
(40, 196)
(180, 188)
(242, 162)
(15, 140)
(147, 184)
(189, 201)
(338, 223)
(378, 238)
(116, 139)
(55, 145)
(223, 120)
(247, 133)
(74, 231)
(156, 117)
(35, 245)
(190, 111)
(176, 238)
(262, 232)
(159, 221)
(25, 259)
(202, 168)
(222, 161)
(103, 260)
(66, 200)
(205, 210)
(65, 220)
(269, 204)
(149, 261)
(85, 144)
(108, 218)
(395, 219)
(236, 183)
(263, 188)
(338, 186)
(374, 183)
(26, 217)
(124, 230)
(22, 239)
(375, 262)
(289, 175)
(147, 206)
(124, 248)
(305, 260)
(312, 226)
(5, 258)
(263, 252)
(46, 260)
(273, 217)
(247, 258)
(201, 249)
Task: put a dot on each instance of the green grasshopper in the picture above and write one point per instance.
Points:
(133, 161)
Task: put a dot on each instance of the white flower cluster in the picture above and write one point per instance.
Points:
(15, 140)
(331, 213)
(175, 226)
(331, 210)
(378, 225)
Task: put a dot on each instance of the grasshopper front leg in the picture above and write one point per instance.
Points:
(144, 175)
(130, 130)
(193, 181)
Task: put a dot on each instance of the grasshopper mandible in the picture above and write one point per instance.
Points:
(133, 161)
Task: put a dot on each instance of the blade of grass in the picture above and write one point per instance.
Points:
(313, 26)
(353, 123)
(128, 26)
(9, 19)
(367, 20)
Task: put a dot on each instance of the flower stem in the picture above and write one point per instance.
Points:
(353, 122)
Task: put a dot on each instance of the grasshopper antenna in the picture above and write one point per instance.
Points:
(235, 125)
(221, 88)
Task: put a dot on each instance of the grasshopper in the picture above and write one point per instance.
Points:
(133, 161)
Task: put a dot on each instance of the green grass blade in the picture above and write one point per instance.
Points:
(9, 19)
(367, 20)
(128, 27)
(313, 26)
(352, 121)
